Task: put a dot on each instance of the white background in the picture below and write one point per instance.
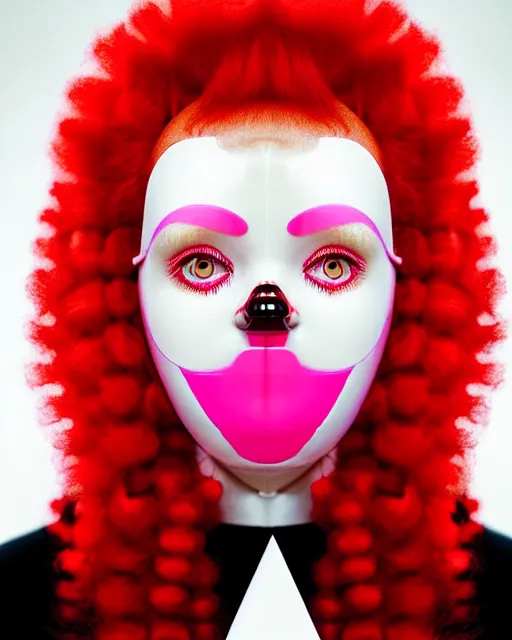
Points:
(42, 45)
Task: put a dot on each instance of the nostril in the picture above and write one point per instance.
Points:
(267, 309)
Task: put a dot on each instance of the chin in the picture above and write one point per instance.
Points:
(323, 442)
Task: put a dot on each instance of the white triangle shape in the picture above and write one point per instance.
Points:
(272, 607)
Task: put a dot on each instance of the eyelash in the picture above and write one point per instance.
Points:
(175, 266)
(356, 263)
(176, 263)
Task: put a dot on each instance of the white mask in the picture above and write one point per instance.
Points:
(266, 288)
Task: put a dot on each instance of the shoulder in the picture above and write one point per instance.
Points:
(26, 585)
(494, 585)
(495, 547)
(27, 579)
(30, 544)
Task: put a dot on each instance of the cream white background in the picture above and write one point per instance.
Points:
(42, 46)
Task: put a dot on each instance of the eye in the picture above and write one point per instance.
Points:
(200, 269)
(333, 269)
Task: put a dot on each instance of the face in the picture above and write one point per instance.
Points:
(266, 287)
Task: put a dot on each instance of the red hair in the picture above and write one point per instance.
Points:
(397, 566)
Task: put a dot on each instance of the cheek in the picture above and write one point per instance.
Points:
(341, 330)
(191, 330)
(347, 406)
(192, 415)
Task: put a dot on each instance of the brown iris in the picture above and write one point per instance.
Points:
(334, 268)
(203, 268)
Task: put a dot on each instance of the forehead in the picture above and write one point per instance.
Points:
(267, 183)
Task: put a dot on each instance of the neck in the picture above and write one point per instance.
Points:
(266, 501)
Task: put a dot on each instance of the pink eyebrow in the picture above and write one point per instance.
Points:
(207, 216)
(334, 215)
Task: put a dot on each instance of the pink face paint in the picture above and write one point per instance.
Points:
(279, 402)
(267, 338)
(334, 215)
(206, 216)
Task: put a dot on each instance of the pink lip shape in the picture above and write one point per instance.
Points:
(267, 404)
(267, 338)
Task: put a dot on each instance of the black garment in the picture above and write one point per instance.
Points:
(237, 552)
(26, 575)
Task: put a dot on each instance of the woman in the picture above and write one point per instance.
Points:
(260, 302)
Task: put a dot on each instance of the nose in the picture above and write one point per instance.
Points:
(267, 309)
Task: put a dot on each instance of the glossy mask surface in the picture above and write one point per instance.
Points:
(314, 223)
